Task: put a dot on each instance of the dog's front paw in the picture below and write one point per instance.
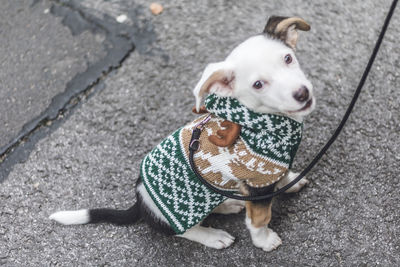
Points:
(210, 237)
(219, 239)
(268, 241)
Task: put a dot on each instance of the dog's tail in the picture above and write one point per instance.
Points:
(85, 216)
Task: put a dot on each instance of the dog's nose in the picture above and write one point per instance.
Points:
(302, 94)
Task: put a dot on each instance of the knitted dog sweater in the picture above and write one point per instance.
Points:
(261, 156)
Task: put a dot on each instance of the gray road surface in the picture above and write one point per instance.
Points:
(38, 56)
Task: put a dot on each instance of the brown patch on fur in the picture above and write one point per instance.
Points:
(272, 24)
(219, 76)
(259, 213)
(202, 110)
(300, 24)
(226, 137)
(285, 29)
(244, 189)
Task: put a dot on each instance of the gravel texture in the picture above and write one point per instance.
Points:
(346, 216)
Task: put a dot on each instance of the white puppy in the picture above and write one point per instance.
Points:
(261, 75)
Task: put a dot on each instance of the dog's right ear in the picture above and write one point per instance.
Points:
(285, 29)
(217, 78)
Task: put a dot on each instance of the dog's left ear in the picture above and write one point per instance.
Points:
(285, 29)
(216, 78)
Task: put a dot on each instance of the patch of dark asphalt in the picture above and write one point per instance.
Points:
(141, 33)
(120, 41)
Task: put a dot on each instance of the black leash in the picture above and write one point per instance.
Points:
(194, 143)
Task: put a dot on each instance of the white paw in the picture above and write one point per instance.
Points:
(269, 242)
(273, 241)
(218, 239)
(296, 187)
(210, 237)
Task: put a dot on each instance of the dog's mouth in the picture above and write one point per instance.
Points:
(306, 106)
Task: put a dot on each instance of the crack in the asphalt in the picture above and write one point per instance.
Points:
(80, 87)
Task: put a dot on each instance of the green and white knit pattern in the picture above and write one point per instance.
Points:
(174, 187)
(273, 136)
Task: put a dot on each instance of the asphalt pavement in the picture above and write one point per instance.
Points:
(84, 97)
(38, 57)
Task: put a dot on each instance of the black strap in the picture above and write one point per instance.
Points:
(194, 144)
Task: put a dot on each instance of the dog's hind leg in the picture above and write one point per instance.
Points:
(210, 237)
(230, 206)
(290, 177)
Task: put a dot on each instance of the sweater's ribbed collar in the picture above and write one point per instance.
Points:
(232, 110)
(274, 136)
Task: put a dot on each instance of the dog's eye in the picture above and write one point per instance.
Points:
(258, 84)
(288, 59)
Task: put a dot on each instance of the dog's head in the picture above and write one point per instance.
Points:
(263, 72)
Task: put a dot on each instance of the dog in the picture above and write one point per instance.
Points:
(257, 98)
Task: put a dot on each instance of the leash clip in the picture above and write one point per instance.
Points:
(201, 124)
(195, 140)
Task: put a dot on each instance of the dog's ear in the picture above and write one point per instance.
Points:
(217, 78)
(285, 29)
